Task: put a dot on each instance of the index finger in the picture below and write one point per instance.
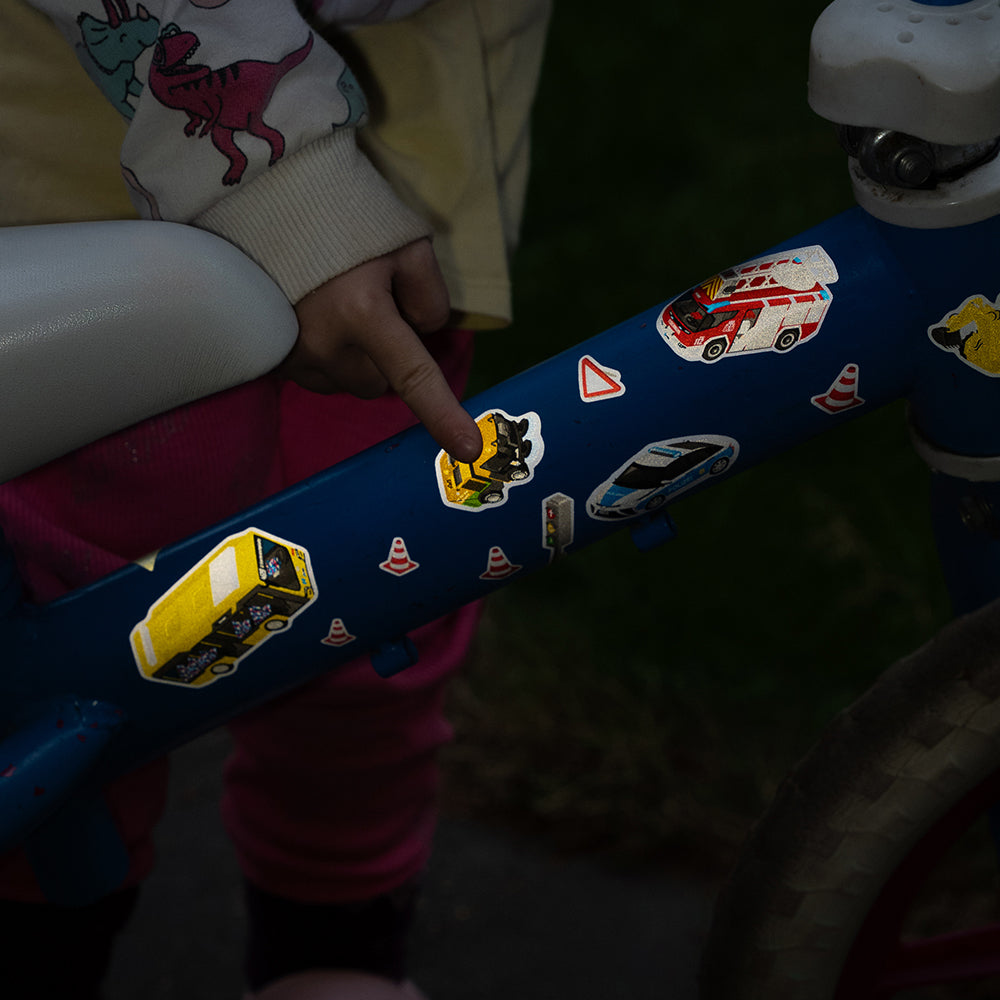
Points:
(418, 380)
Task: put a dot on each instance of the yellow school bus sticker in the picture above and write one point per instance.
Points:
(247, 589)
(512, 447)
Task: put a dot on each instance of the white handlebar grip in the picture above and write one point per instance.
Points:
(103, 324)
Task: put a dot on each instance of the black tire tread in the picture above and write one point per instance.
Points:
(886, 768)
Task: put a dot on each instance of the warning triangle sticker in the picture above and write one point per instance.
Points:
(597, 381)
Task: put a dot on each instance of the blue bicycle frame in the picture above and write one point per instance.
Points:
(594, 439)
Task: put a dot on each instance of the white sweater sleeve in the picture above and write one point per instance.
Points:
(242, 121)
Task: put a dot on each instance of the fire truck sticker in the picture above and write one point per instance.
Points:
(772, 303)
(659, 472)
(973, 333)
(249, 587)
(512, 447)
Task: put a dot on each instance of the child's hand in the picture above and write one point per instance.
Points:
(359, 333)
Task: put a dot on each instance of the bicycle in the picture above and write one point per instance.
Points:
(501, 526)
(816, 906)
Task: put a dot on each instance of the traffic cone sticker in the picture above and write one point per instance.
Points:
(339, 636)
(498, 566)
(399, 562)
(842, 394)
(597, 381)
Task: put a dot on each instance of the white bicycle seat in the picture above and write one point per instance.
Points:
(104, 324)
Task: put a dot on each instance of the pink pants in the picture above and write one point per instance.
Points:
(331, 791)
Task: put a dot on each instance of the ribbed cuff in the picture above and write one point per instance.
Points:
(314, 215)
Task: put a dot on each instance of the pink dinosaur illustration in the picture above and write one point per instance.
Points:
(221, 101)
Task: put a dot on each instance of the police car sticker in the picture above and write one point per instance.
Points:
(512, 447)
(658, 472)
(770, 303)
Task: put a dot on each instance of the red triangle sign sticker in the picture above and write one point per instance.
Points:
(597, 381)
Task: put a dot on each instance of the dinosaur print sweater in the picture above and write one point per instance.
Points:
(242, 121)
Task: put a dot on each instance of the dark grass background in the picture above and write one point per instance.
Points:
(648, 704)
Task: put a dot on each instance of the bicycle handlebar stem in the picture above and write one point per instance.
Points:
(914, 88)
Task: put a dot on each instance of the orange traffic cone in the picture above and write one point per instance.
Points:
(842, 394)
(498, 565)
(399, 561)
(339, 636)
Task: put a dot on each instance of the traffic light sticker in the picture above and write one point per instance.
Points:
(597, 381)
(557, 523)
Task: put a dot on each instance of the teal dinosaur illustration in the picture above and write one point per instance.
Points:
(357, 107)
(111, 47)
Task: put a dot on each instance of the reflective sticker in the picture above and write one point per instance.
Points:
(512, 447)
(250, 586)
(141, 635)
(972, 332)
(498, 566)
(597, 381)
(398, 562)
(557, 523)
(661, 470)
(223, 575)
(843, 392)
(338, 634)
(148, 562)
(772, 303)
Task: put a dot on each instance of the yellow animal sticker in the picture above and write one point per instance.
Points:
(248, 588)
(973, 332)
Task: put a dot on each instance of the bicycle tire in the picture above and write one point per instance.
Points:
(904, 760)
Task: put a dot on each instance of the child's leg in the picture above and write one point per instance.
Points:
(71, 522)
(331, 802)
(84, 516)
(331, 793)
